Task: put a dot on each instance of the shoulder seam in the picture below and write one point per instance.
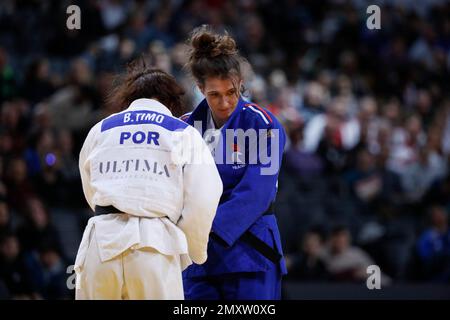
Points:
(184, 117)
(261, 112)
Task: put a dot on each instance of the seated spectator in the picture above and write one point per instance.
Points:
(314, 98)
(5, 220)
(69, 172)
(45, 168)
(433, 247)
(14, 122)
(332, 136)
(301, 164)
(419, 176)
(47, 270)
(365, 180)
(13, 271)
(372, 184)
(439, 192)
(4, 292)
(343, 261)
(41, 144)
(38, 84)
(335, 128)
(37, 228)
(8, 85)
(406, 142)
(308, 265)
(6, 142)
(17, 183)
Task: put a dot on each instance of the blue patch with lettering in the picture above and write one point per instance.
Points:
(143, 117)
(139, 137)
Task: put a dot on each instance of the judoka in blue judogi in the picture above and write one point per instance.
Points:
(244, 252)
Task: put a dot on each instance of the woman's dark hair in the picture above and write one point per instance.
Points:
(213, 55)
(141, 81)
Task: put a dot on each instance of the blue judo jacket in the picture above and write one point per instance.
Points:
(247, 193)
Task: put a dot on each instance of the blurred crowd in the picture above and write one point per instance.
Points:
(365, 176)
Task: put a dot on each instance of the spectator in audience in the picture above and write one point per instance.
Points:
(5, 218)
(18, 185)
(68, 170)
(8, 83)
(308, 264)
(37, 228)
(13, 269)
(332, 135)
(433, 247)
(47, 271)
(343, 261)
(314, 101)
(38, 85)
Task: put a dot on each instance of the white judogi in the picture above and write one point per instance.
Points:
(141, 162)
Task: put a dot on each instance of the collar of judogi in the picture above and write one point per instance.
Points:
(149, 104)
(201, 114)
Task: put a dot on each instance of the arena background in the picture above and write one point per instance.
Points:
(365, 177)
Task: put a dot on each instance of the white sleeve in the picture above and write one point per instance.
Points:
(313, 133)
(351, 133)
(84, 166)
(202, 192)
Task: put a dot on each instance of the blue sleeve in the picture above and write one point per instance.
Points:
(253, 194)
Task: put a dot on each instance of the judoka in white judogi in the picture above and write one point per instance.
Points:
(131, 161)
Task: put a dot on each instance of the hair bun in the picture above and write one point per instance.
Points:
(207, 44)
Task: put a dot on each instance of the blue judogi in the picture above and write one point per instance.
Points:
(235, 268)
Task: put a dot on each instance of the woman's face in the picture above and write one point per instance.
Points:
(222, 96)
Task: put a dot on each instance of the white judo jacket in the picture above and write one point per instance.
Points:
(158, 170)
